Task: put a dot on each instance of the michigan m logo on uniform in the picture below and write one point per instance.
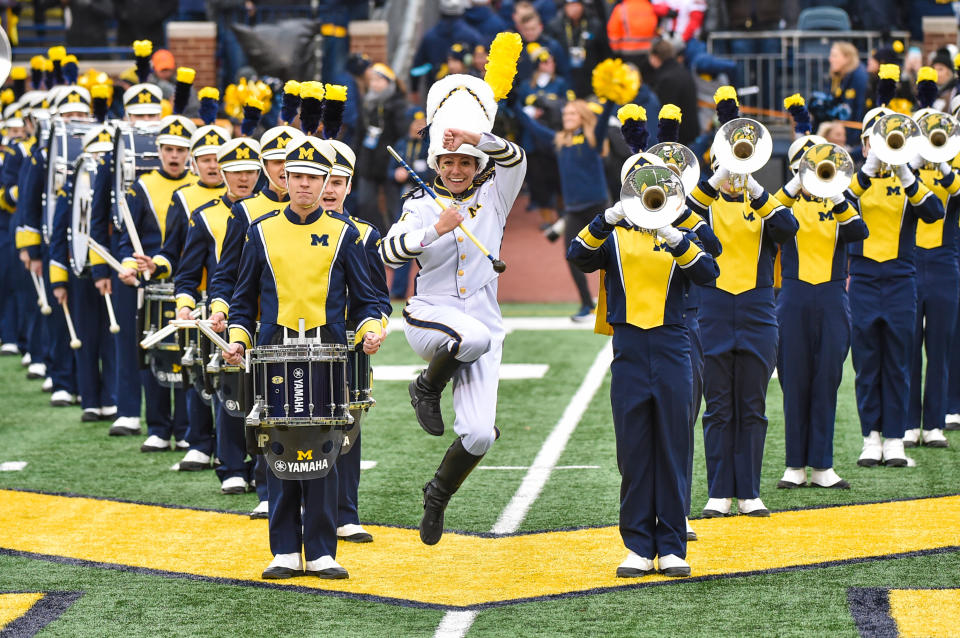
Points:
(211, 140)
(319, 240)
(749, 217)
(282, 141)
(893, 190)
(144, 97)
(306, 153)
(176, 129)
(824, 216)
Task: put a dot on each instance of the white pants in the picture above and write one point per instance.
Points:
(474, 327)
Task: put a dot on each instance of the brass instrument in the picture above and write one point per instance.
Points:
(742, 146)
(825, 170)
(895, 139)
(652, 197)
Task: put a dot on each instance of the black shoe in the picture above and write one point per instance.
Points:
(691, 536)
(333, 573)
(951, 427)
(89, 416)
(787, 485)
(426, 389)
(280, 573)
(456, 466)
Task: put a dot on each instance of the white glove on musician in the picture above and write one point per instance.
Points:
(670, 235)
(754, 188)
(871, 166)
(907, 178)
(614, 214)
(792, 188)
(718, 178)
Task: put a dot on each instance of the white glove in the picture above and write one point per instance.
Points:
(837, 199)
(754, 188)
(871, 165)
(718, 178)
(945, 168)
(614, 214)
(792, 188)
(670, 235)
(906, 176)
(917, 162)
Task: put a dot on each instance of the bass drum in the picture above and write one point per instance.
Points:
(63, 152)
(135, 152)
(80, 206)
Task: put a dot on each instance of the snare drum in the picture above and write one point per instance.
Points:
(361, 377)
(164, 358)
(63, 151)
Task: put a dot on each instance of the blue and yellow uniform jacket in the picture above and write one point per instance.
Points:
(818, 252)
(28, 219)
(941, 235)
(891, 212)
(186, 200)
(313, 270)
(644, 281)
(201, 253)
(13, 159)
(149, 200)
(101, 214)
(370, 238)
(749, 232)
(221, 284)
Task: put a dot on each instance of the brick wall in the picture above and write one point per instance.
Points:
(370, 37)
(938, 31)
(194, 45)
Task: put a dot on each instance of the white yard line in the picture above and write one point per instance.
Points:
(456, 624)
(12, 466)
(527, 467)
(522, 323)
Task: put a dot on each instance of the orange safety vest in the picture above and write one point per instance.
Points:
(632, 26)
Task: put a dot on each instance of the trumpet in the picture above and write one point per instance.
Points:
(825, 170)
(742, 146)
(941, 137)
(680, 160)
(652, 197)
(895, 139)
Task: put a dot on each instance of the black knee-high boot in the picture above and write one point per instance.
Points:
(456, 466)
(425, 390)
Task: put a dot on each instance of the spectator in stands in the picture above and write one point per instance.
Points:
(834, 132)
(916, 10)
(631, 29)
(84, 20)
(456, 59)
(848, 78)
(143, 20)
(584, 39)
(164, 67)
(546, 9)
(530, 27)
(482, 18)
(478, 63)
(674, 84)
(946, 80)
(383, 120)
(680, 19)
(619, 151)
(903, 97)
(432, 52)
(756, 15)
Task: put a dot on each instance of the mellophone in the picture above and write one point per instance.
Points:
(298, 397)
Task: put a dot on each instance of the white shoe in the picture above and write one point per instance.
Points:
(194, 461)
(827, 478)
(155, 444)
(911, 437)
(634, 566)
(233, 485)
(691, 535)
(25, 359)
(36, 371)
(717, 507)
(61, 398)
(952, 418)
(872, 452)
(935, 438)
(325, 567)
(107, 411)
(47, 385)
(9, 348)
(284, 566)
(354, 534)
(752, 507)
(673, 565)
(262, 510)
(125, 426)
(182, 445)
(793, 477)
(893, 454)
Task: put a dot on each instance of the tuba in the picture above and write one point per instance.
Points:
(742, 146)
(895, 139)
(825, 170)
(652, 197)
(680, 160)
(941, 137)
(6, 56)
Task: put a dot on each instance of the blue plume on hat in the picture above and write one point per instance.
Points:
(311, 106)
(633, 126)
(209, 104)
(71, 72)
(252, 111)
(290, 102)
(798, 111)
(99, 95)
(181, 92)
(668, 124)
(334, 103)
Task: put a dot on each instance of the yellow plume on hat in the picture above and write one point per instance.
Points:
(889, 72)
(209, 91)
(794, 100)
(725, 93)
(101, 91)
(927, 73)
(186, 75)
(336, 92)
(670, 112)
(57, 53)
(501, 65)
(18, 73)
(631, 112)
(143, 48)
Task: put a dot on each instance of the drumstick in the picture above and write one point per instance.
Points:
(498, 265)
(114, 326)
(74, 342)
(131, 230)
(107, 257)
(149, 341)
(215, 338)
(41, 293)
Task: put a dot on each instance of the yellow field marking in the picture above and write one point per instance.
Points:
(13, 606)
(462, 570)
(927, 613)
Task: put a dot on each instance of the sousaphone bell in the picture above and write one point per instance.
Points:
(652, 197)
(825, 170)
(742, 146)
(941, 137)
(680, 160)
(895, 139)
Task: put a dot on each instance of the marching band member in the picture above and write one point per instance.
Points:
(938, 286)
(453, 321)
(97, 358)
(15, 125)
(274, 282)
(814, 315)
(239, 163)
(883, 290)
(739, 329)
(142, 103)
(149, 201)
(652, 380)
